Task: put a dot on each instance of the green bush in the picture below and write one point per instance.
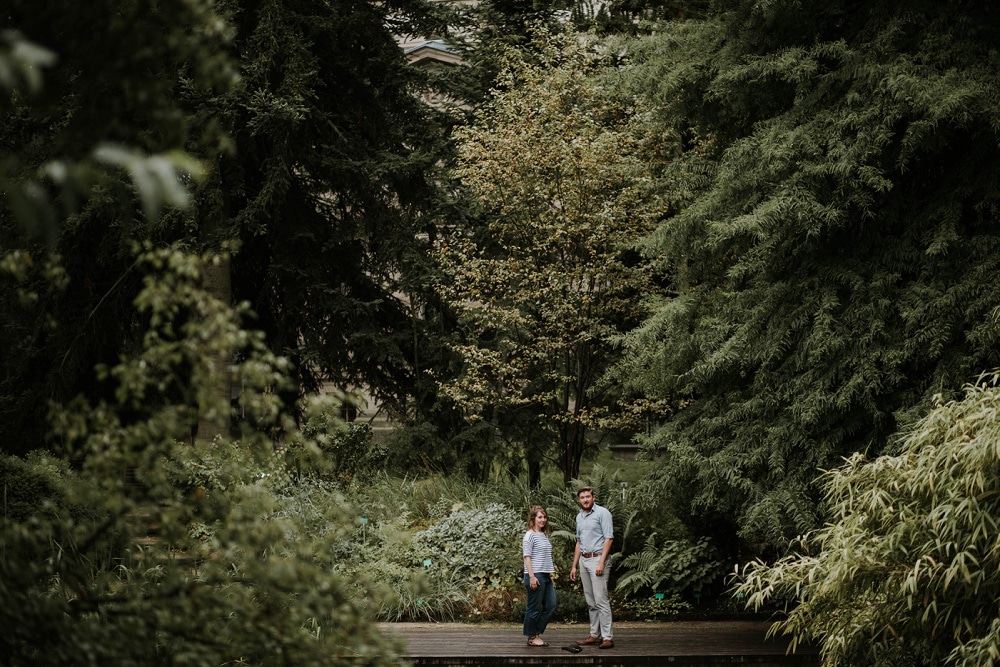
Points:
(571, 605)
(27, 490)
(406, 594)
(347, 453)
(670, 566)
(907, 570)
(231, 572)
(41, 489)
(482, 547)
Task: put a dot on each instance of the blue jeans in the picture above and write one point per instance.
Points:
(541, 604)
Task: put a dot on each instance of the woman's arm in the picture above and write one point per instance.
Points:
(532, 579)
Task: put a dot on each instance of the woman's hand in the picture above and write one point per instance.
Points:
(533, 582)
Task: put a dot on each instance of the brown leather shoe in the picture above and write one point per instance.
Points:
(607, 643)
(589, 641)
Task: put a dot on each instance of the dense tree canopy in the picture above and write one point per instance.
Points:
(320, 179)
(836, 267)
(106, 99)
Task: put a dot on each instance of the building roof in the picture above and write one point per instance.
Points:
(433, 50)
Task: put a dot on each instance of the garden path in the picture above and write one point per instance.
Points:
(703, 643)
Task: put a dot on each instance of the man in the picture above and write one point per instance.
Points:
(594, 534)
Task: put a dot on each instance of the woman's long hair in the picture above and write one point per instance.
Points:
(533, 513)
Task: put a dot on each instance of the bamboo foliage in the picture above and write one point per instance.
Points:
(907, 567)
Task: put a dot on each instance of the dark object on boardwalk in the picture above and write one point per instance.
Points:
(572, 648)
(607, 643)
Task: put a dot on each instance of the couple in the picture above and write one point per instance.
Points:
(594, 533)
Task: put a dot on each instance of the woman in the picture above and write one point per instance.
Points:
(538, 570)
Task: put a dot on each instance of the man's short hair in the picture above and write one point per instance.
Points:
(584, 489)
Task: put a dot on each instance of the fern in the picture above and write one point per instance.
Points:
(673, 567)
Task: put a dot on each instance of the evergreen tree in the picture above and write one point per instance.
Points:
(330, 193)
(835, 266)
(89, 92)
(321, 182)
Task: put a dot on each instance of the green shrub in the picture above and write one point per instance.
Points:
(482, 547)
(25, 490)
(406, 594)
(495, 604)
(907, 570)
(42, 489)
(571, 605)
(233, 575)
(669, 566)
(347, 452)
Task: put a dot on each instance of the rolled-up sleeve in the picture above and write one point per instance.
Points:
(607, 525)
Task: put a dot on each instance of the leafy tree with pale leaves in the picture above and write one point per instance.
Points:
(562, 175)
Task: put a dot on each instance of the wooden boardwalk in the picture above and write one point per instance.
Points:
(703, 643)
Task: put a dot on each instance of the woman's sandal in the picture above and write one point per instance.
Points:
(531, 642)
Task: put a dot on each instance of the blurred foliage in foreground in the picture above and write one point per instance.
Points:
(152, 548)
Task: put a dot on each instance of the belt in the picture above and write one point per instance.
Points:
(591, 554)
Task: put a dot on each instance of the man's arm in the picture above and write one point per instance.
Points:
(605, 551)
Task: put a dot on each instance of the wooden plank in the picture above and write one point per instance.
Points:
(682, 642)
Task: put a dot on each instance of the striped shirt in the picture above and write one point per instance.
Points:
(537, 546)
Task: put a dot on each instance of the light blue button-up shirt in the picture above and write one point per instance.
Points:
(593, 527)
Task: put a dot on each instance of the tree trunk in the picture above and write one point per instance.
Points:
(217, 420)
(572, 449)
(534, 472)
